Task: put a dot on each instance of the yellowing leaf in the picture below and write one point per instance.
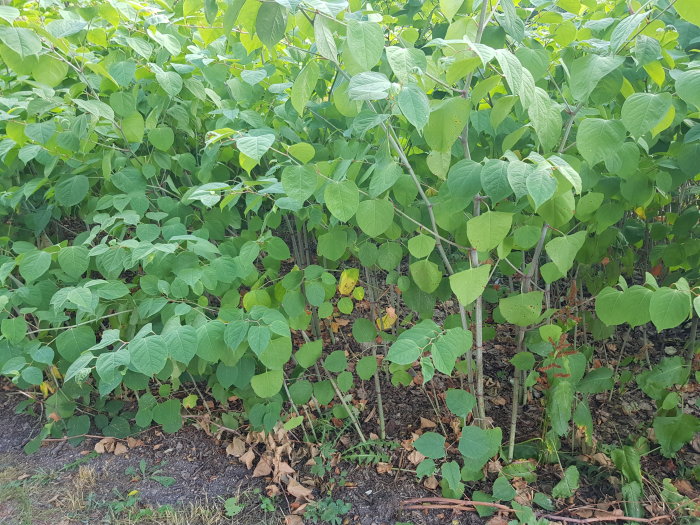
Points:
(190, 401)
(641, 213)
(246, 162)
(627, 89)
(664, 122)
(303, 151)
(388, 320)
(348, 280)
(656, 72)
(45, 388)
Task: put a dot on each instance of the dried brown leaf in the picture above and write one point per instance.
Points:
(236, 448)
(298, 490)
(383, 468)
(426, 423)
(685, 488)
(415, 457)
(248, 458)
(104, 445)
(133, 442)
(431, 483)
(263, 468)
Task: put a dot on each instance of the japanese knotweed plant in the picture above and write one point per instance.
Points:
(162, 162)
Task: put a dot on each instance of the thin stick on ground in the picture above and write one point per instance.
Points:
(469, 505)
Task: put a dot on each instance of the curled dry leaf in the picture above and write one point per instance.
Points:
(248, 458)
(523, 498)
(383, 468)
(427, 423)
(298, 490)
(133, 442)
(291, 519)
(601, 459)
(407, 444)
(281, 470)
(430, 483)
(105, 445)
(236, 448)
(204, 424)
(415, 457)
(696, 443)
(494, 467)
(263, 468)
(119, 449)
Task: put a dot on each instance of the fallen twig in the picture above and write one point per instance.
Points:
(447, 502)
(604, 519)
(468, 505)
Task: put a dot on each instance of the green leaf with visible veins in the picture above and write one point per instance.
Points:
(446, 123)
(674, 432)
(375, 216)
(470, 284)
(486, 231)
(641, 112)
(364, 45)
(522, 309)
(669, 307)
(342, 199)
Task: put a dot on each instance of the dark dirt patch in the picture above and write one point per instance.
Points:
(57, 472)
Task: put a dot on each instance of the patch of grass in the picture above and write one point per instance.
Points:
(23, 499)
(205, 512)
(194, 514)
(83, 482)
(15, 504)
(68, 494)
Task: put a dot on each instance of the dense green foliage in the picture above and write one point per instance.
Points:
(163, 161)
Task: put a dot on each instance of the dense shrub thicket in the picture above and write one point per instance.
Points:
(187, 186)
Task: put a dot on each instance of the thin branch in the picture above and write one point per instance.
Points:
(567, 129)
(78, 324)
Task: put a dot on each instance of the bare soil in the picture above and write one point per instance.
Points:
(204, 476)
